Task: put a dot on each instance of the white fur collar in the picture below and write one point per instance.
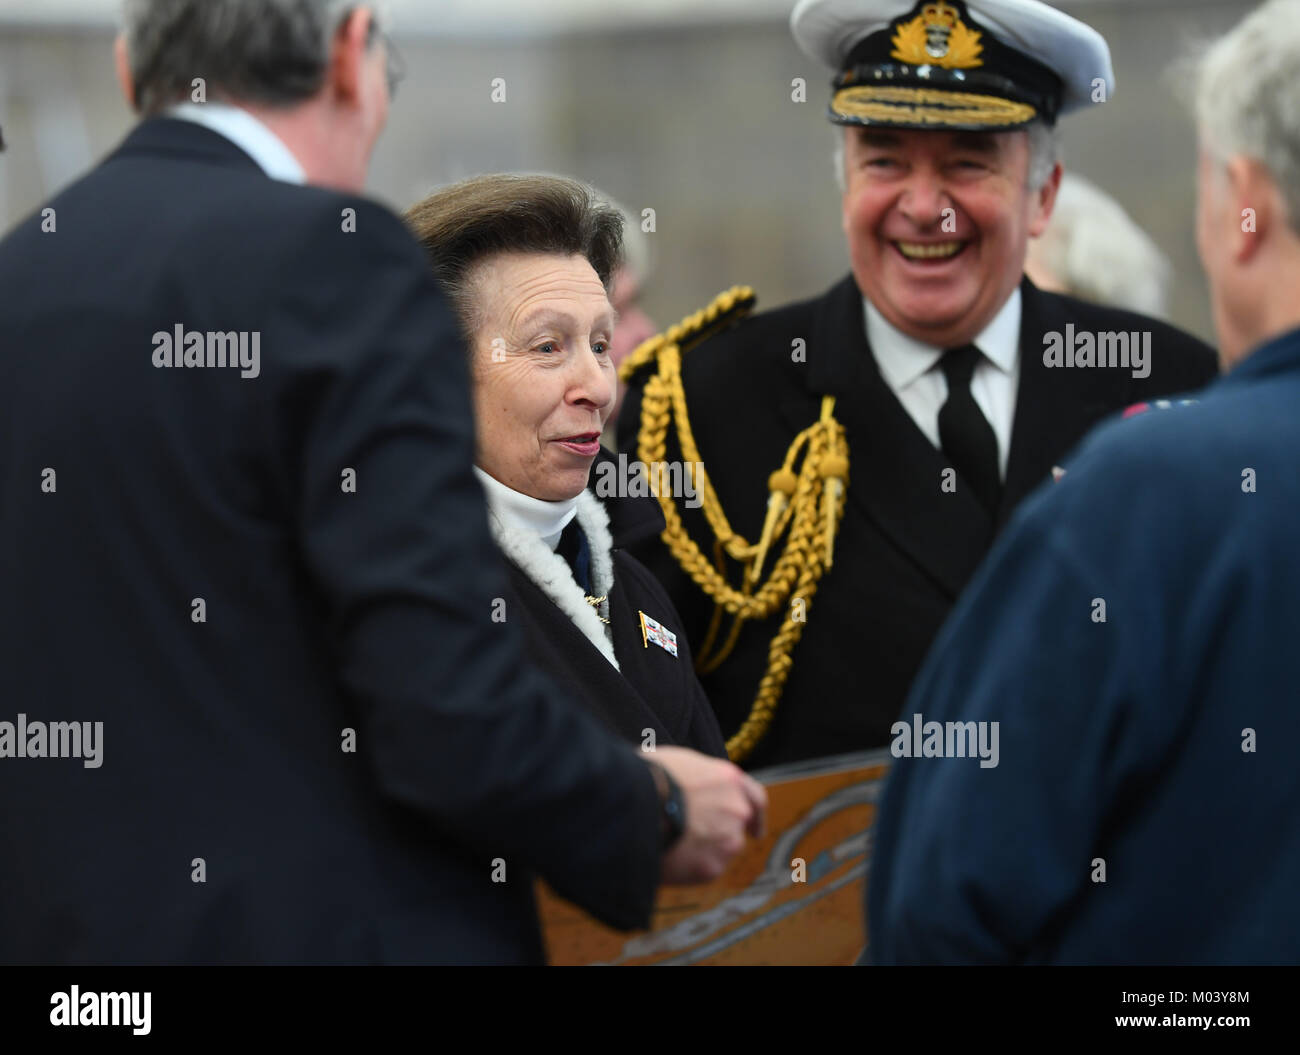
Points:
(551, 572)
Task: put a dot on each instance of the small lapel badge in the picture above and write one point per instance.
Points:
(658, 633)
(1057, 473)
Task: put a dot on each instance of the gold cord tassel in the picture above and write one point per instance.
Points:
(782, 485)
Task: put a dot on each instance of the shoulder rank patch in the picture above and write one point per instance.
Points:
(1159, 404)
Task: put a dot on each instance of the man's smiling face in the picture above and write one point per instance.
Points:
(938, 224)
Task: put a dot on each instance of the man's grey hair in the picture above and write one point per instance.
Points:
(1045, 152)
(1248, 96)
(274, 52)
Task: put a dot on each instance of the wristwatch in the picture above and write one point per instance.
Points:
(672, 807)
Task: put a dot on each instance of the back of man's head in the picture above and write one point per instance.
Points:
(1248, 96)
(1248, 213)
(312, 71)
(272, 52)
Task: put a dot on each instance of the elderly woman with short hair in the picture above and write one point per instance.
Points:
(527, 262)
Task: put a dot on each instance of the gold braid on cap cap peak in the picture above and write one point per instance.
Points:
(805, 500)
(896, 104)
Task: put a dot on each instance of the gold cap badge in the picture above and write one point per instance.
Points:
(938, 37)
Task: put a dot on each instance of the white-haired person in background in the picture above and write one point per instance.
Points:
(1133, 636)
(1094, 250)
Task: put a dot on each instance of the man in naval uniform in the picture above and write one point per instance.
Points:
(959, 386)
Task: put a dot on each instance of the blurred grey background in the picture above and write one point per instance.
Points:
(683, 106)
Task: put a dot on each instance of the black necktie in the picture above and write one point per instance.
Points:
(964, 432)
(574, 549)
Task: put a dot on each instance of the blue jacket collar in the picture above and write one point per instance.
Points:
(1277, 355)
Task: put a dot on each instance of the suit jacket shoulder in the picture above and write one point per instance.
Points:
(749, 362)
(755, 359)
(1179, 360)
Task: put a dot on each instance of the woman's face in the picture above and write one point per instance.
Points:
(543, 379)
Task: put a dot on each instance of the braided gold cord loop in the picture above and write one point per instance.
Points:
(805, 505)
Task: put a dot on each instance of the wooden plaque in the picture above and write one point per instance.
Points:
(764, 909)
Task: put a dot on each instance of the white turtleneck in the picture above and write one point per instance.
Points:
(546, 520)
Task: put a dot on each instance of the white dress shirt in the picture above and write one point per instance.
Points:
(912, 371)
(247, 133)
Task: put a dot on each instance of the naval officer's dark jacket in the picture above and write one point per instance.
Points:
(339, 732)
(905, 548)
(651, 690)
(1158, 744)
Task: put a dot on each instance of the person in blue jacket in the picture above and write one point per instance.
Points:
(1097, 763)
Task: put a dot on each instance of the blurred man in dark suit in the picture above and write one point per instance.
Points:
(259, 705)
